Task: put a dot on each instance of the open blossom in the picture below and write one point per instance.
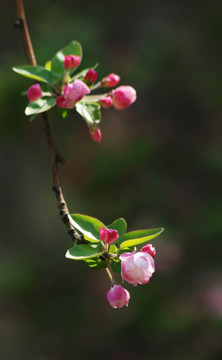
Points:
(118, 296)
(72, 93)
(108, 235)
(111, 80)
(91, 75)
(96, 135)
(34, 92)
(137, 267)
(106, 102)
(150, 249)
(123, 97)
(71, 61)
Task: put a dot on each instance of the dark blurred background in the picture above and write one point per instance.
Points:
(159, 164)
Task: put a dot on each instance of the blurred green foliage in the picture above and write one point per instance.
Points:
(159, 164)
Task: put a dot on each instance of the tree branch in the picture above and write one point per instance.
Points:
(56, 158)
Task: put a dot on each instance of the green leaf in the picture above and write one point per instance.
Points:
(90, 112)
(137, 237)
(84, 251)
(119, 225)
(48, 65)
(96, 263)
(57, 65)
(87, 225)
(38, 73)
(40, 106)
(63, 112)
(112, 248)
(116, 266)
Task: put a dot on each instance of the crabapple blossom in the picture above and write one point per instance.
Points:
(123, 97)
(71, 61)
(91, 75)
(149, 249)
(96, 135)
(111, 80)
(108, 235)
(34, 92)
(106, 102)
(72, 93)
(136, 267)
(118, 296)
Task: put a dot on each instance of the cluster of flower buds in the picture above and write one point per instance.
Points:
(76, 90)
(136, 268)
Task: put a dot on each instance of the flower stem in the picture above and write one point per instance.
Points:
(111, 277)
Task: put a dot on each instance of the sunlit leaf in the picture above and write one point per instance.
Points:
(48, 65)
(137, 237)
(96, 263)
(40, 106)
(84, 251)
(38, 73)
(90, 112)
(87, 225)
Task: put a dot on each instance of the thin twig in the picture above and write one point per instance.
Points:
(21, 23)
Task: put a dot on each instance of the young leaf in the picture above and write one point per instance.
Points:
(87, 225)
(57, 64)
(119, 225)
(38, 73)
(40, 106)
(112, 248)
(63, 112)
(90, 112)
(137, 237)
(96, 263)
(48, 65)
(84, 251)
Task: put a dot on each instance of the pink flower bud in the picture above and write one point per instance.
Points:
(111, 80)
(106, 102)
(61, 102)
(72, 93)
(71, 61)
(137, 267)
(91, 75)
(96, 135)
(118, 296)
(123, 97)
(34, 92)
(108, 235)
(149, 249)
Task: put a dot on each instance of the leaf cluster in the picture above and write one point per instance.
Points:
(94, 253)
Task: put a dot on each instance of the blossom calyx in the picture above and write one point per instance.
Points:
(123, 97)
(108, 235)
(34, 92)
(118, 296)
